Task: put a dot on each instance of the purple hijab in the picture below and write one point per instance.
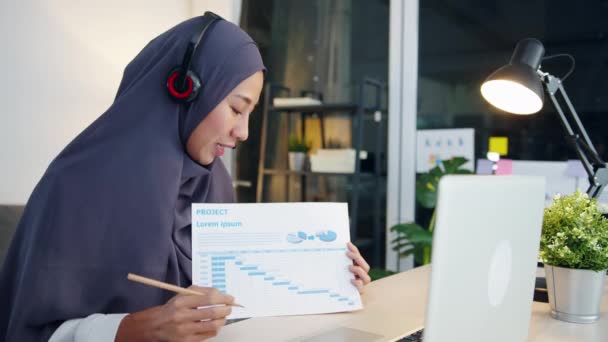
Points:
(117, 198)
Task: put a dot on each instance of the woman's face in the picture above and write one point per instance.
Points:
(227, 123)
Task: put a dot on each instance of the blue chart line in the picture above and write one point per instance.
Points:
(220, 262)
(313, 291)
(230, 257)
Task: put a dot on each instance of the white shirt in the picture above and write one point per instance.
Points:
(94, 328)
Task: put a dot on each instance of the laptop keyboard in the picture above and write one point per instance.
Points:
(415, 337)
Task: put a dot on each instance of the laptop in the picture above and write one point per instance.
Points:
(485, 250)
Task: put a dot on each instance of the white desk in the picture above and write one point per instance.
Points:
(395, 307)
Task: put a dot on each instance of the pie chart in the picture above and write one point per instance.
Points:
(327, 235)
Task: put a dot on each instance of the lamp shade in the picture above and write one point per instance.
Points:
(516, 87)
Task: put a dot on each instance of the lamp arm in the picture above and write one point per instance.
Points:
(592, 162)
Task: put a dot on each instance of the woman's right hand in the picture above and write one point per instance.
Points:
(180, 319)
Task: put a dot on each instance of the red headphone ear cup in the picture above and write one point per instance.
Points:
(193, 85)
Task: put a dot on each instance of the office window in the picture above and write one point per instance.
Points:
(462, 42)
(323, 47)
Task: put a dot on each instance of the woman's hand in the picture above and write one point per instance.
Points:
(180, 319)
(359, 268)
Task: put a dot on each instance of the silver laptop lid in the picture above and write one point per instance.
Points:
(485, 250)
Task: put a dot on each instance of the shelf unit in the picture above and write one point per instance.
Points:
(358, 112)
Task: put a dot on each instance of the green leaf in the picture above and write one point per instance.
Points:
(399, 239)
(412, 237)
(406, 227)
(436, 172)
(295, 144)
(428, 182)
(427, 178)
(407, 252)
(419, 256)
(402, 247)
(452, 165)
(423, 237)
(426, 194)
(378, 273)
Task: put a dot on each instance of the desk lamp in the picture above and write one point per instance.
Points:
(518, 88)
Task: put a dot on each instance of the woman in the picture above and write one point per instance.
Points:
(117, 200)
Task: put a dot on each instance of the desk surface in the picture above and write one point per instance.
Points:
(395, 307)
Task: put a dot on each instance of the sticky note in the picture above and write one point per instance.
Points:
(504, 167)
(499, 145)
(484, 167)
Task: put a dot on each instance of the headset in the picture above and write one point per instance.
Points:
(184, 84)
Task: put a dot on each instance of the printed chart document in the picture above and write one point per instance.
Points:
(275, 258)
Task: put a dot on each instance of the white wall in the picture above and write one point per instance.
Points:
(228, 9)
(63, 61)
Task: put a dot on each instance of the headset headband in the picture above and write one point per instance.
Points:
(208, 19)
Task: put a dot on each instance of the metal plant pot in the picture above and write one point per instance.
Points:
(574, 295)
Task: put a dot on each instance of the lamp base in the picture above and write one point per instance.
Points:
(540, 290)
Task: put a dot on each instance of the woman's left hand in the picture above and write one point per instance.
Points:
(359, 268)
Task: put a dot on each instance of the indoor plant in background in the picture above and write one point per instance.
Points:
(574, 249)
(412, 238)
(297, 149)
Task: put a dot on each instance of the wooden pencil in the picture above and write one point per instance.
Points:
(166, 286)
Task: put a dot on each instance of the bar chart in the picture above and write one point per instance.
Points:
(265, 277)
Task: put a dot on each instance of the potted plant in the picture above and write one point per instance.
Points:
(412, 238)
(574, 250)
(297, 149)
